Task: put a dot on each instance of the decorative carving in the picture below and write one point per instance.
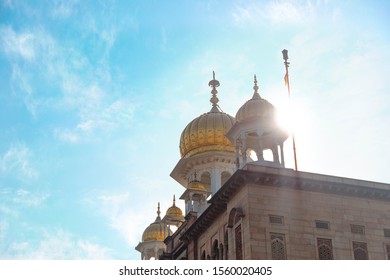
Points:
(360, 251)
(278, 248)
(325, 249)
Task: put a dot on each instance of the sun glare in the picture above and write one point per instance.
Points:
(292, 117)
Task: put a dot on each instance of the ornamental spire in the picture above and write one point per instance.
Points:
(214, 99)
(158, 218)
(158, 209)
(174, 201)
(256, 95)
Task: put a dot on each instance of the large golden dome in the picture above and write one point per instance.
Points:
(255, 107)
(156, 231)
(207, 132)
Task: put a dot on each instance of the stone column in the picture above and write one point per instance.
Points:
(243, 148)
(282, 153)
(215, 180)
(275, 154)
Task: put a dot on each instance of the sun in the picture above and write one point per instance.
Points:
(287, 116)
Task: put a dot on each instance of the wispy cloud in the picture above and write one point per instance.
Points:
(30, 199)
(22, 44)
(16, 162)
(63, 8)
(81, 86)
(275, 12)
(58, 245)
(97, 117)
(122, 217)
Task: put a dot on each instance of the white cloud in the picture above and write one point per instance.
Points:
(63, 8)
(57, 245)
(16, 162)
(22, 44)
(118, 208)
(66, 135)
(98, 116)
(8, 211)
(86, 94)
(286, 12)
(276, 12)
(29, 199)
(3, 229)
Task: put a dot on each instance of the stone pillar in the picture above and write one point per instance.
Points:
(259, 153)
(215, 180)
(282, 153)
(243, 148)
(275, 154)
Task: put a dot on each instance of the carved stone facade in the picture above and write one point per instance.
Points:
(276, 213)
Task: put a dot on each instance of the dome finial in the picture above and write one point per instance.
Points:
(256, 88)
(174, 200)
(158, 210)
(214, 99)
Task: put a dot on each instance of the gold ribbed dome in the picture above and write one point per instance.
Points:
(155, 231)
(174, 211)
(207, 132)
(255, 107)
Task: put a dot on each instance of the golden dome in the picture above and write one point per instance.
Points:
(174, 211)
(207, 132)
(155, 231)
(255, 107)
(196, 186)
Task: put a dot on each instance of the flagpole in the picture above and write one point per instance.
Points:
(287, 82)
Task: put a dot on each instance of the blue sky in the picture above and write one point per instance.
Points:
(94, 96)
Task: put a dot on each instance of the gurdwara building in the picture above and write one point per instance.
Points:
(239, 205)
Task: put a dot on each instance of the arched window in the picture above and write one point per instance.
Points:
(221, 251)
(238, 242)
(234, 221)
(226, 245)
(203, 257)
(215, 250)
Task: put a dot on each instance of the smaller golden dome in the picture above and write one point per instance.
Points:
(255, 107)
(174, 211)
(156, 231)
(196, 186)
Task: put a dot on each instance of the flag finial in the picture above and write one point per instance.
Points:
(287, 83)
